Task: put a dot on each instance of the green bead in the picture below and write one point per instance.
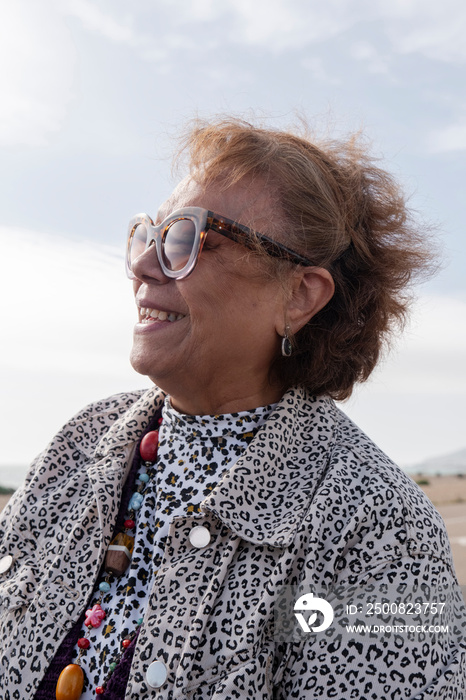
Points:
(140, 621)
(112, 666)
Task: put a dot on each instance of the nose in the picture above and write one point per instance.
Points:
(146, 267)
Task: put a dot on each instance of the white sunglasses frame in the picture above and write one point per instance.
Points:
(204, 220)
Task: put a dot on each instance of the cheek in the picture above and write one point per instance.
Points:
(211, 294)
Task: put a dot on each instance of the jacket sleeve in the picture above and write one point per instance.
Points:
(16, 500)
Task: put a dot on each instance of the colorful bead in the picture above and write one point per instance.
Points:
(100, 690)
(84, 643)
(94, 616)
(119, 554)
(149, 445)
(125, 643)
(136, 501)
(70, 683)
(143, 477)
(140, 621)
(112, 666)
(129, 524)
(104, 587)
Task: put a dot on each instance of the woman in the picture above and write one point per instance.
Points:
(166, 543)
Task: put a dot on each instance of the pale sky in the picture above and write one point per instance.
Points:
(92, 97)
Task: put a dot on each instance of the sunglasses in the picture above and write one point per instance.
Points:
(180, 237)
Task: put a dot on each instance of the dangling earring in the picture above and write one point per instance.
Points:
(287, 348)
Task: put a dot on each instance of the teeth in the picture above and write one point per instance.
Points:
(148, 314)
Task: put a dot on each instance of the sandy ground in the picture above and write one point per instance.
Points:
(448, 494)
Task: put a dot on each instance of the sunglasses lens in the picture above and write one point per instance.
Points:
(178, 243)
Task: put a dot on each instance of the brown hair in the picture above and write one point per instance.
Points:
(336, 207)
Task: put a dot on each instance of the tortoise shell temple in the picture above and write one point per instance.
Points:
(248, 237)
(229, 229)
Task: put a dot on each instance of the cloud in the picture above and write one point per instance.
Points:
(413, 404)
(315, 65)
(67, 313)
(94, 19)
(429, 358)
(447, 139)
(272, 24)
(413, 26)
(120, 31)
(429, 28)
(375, 62)
(38, 49)
(69, 298)
(38, 70)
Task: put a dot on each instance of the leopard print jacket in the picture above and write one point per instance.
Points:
(313, 513)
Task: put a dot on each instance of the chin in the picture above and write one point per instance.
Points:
(139, 363)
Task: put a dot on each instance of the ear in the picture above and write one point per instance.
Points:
(311, 289)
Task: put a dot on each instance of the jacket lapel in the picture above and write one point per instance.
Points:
(113, 459)
(265, 495)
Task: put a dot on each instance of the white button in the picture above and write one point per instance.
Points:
(199, 536)
(156, 674)
(5, 563)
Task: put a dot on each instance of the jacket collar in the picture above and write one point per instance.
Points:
(265, 495)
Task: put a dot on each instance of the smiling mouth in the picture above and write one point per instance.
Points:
(153, 315)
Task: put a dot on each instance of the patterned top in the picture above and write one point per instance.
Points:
(194, 452)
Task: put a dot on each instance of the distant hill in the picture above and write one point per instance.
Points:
(453, 463)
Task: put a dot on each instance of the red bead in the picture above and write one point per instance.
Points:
(125, 643)
(84, 643)
(129, 524)
(100, 690)
(149, 446)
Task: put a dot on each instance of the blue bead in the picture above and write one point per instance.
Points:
(104, 587)
(144, 477)
(136, 501)
(140, 621)
(132, 503)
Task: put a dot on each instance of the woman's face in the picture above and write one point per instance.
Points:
(229, 315)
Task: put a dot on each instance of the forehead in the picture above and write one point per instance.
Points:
(246, 202)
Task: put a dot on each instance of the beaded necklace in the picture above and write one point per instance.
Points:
(71, 680)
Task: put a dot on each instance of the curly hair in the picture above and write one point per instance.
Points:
(336, 207)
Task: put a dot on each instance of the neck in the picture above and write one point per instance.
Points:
(203, 401)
